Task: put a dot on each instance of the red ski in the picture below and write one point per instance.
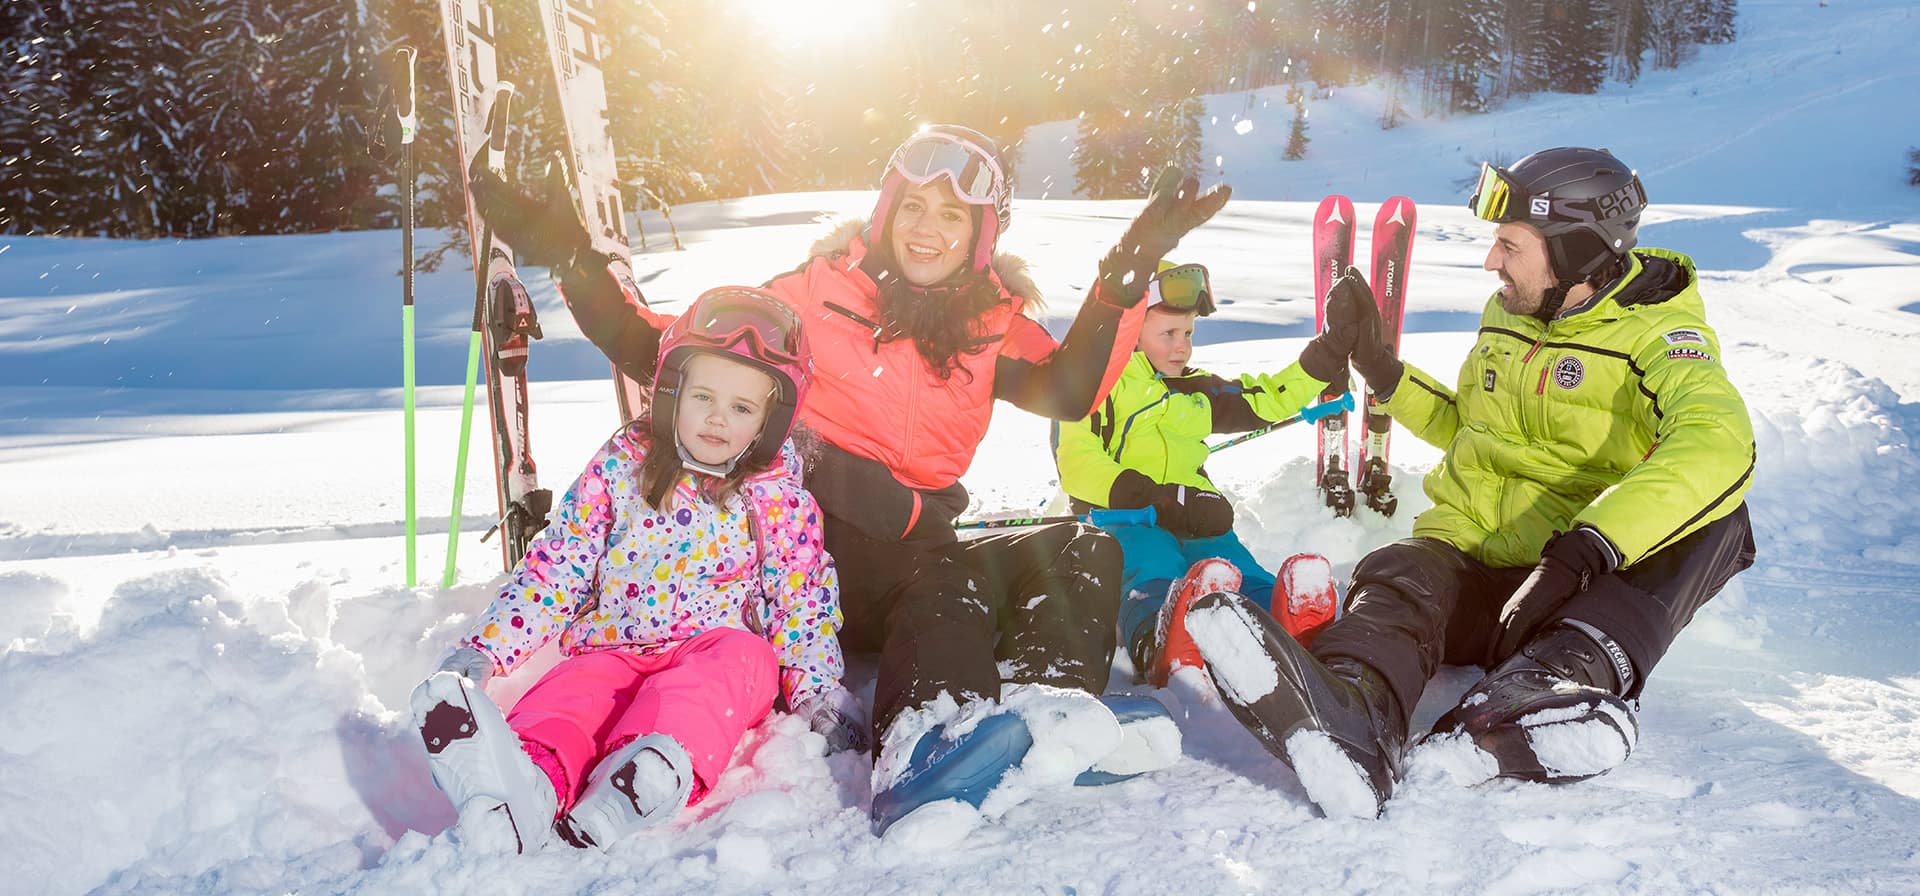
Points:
(1332, 253)
(1393, 230)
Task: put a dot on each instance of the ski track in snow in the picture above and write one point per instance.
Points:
(207, 650)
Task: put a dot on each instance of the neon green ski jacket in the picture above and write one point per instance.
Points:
(1619, 415)
(1158, 425)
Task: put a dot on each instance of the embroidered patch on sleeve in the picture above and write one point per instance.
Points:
(1676, 337)
(1688, 354)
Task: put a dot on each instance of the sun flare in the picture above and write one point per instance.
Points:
(817, 24)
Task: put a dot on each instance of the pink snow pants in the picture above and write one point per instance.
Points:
(704, 693)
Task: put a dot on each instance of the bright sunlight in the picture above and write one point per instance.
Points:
(810, 24)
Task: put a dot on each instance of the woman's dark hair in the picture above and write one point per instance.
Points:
(943, 321)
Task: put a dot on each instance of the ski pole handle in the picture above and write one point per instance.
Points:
(400, 74)
(1312, 414)
(1135, 516)
(497, 126)
(1140, 516)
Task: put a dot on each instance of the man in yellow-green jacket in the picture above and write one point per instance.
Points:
(1589, 501)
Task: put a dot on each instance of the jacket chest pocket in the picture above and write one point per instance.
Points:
(1494, 385)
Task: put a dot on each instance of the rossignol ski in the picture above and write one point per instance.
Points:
(503, 314)
(1332, 253)
(575, 47)
(1392, 251)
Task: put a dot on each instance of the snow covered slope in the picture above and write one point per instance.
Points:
(205, 648)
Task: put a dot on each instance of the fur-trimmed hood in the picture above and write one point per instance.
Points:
(1008, 268)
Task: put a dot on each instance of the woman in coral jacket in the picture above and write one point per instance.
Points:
(917, 327)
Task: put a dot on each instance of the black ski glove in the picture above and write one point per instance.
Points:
(1568, 565)
(1181, 509)
(547, 229)
(1196, 512)
(1175, 206)
(1353, 331)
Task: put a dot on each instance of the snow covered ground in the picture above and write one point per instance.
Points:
(206, 642)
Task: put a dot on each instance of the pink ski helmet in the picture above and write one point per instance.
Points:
(971, 163)
(744, 324)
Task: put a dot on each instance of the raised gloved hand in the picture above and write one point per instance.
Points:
(1353, 331)
(837, 716)
(469, 663)
(1568, 565)
(1175, 206)
(546, 229)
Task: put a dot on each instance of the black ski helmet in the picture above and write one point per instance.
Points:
(1586, 202)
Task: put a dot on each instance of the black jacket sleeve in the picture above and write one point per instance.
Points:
(1061, 381)
(863, 493)
(619, 323)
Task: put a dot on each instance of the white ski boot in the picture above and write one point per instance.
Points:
(478, 763)
(640, 785)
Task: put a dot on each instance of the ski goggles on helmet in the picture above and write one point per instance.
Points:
(1500, 199)
(722, 317)
(1496, 196)
(1182, 288)
(977, 178)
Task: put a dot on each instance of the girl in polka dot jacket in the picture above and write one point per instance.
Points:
(685, 578)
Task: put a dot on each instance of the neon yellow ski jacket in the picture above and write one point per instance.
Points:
(1619, 415)
(1158, 425)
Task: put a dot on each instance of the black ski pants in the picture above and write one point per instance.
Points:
(1420, 602)
(1037, 604)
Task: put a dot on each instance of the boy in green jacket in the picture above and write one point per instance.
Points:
(1145, 446)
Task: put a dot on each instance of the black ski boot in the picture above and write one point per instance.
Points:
(1552, 712)
(1338, 725)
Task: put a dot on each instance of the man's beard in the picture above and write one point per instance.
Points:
(1517, 299)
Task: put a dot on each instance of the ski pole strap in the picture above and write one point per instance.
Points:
(1137, 516)
(1311, 414)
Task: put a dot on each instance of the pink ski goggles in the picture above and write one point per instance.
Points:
(722, 317)
(977, 178)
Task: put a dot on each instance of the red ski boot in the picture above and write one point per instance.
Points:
(1172, 647)
(1304, 600)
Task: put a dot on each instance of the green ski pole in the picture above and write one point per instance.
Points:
(401, 75)
(1307, 414)
(496, 159)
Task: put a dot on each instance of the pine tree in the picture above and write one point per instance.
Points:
(1574, 45)
(41, 126)
(1671, 31)
(1629, 26)
(1913, 167)
(1717, 21)
(1470, 30)
(1297, 134)
(1144, 119)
